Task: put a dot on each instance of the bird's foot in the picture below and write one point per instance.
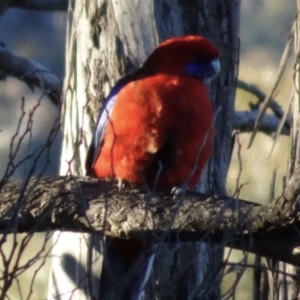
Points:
(179, 191)
(120, 184)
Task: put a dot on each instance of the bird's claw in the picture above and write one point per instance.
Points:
(178, 191)
(120, 184)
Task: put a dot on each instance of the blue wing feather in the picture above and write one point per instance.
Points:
(100, 128)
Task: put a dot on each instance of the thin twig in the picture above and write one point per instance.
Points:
(265, 104)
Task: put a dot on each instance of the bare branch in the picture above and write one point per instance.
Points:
(245, 120)
(32, 73)
(256, 91)
(80, 204)
(265, 104)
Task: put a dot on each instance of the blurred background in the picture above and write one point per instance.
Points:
(38, 36)
(265, 25)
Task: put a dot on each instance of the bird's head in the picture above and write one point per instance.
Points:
(190, 55)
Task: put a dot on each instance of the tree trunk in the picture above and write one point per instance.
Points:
(108, 39)
(76, 260)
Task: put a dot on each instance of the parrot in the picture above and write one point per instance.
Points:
(156, 126)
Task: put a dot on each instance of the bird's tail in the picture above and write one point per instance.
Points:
(127, 267)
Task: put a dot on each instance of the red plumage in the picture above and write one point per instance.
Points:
(162, 118)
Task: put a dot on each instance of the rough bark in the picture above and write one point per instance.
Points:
(82, 204)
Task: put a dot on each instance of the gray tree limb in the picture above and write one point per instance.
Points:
(261, 96)
(32, 73)
(89, 205)
(244, 121)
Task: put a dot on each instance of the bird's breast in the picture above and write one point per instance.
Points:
(157, 122)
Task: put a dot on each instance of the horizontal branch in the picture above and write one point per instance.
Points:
(90, 205)
(266, 121)
(261, 96)
(244, 121)
(32, 73)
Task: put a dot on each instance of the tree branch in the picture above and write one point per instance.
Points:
(32, 73)
(244, 121)
(267, 123)
(90, 205)
(261, 96)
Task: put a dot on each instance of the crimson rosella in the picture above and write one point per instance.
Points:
(155, 128)
(156, 125)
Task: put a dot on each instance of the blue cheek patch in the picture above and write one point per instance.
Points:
(200, 70)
